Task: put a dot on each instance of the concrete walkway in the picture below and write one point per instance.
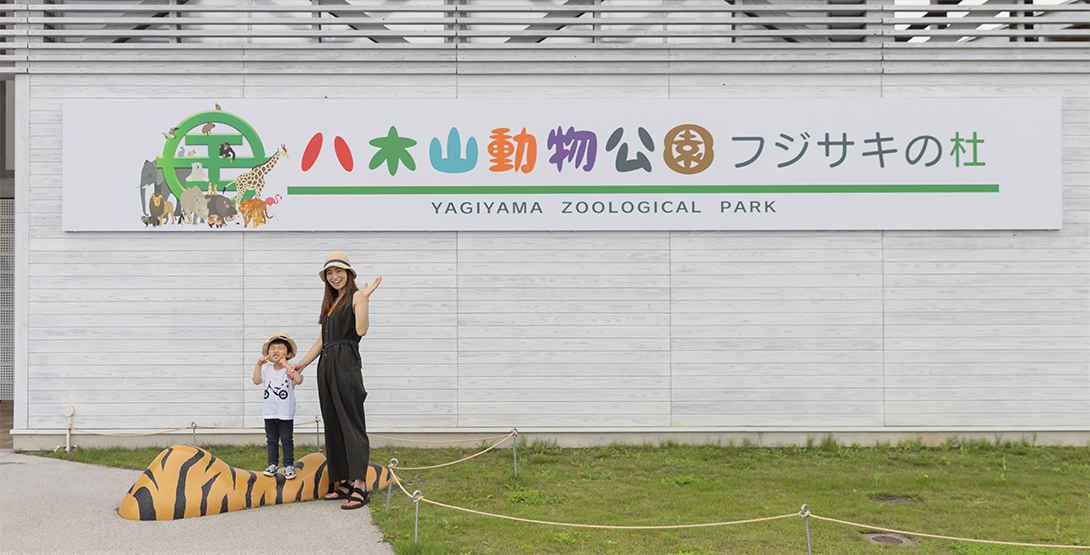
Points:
(54, 506)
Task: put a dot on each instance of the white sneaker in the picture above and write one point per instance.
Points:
(289, 473)
(271, 471)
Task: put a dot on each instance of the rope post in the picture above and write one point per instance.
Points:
(194, 425)
(515, 451)
(805, 512)
(390, 486)
(68, 411)
(416, 527)
(317, 433)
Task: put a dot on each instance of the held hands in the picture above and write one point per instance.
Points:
(294, 373)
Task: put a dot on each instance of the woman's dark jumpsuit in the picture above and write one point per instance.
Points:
(341, 395)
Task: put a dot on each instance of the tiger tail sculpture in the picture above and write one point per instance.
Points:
(185, 482)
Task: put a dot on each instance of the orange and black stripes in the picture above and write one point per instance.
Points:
(184, 482)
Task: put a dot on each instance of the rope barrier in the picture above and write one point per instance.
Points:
(439, 441)
(952, 538)
(190, 427)
(420, 497)
(607, 527)
(491, 447)
(229, 427)
(417, 497)
(71, 429)
(315, 421)
(805, 513)
(397, 481)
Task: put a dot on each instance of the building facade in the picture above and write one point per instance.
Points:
(578, 336)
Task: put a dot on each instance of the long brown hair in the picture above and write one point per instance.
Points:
(331, 294)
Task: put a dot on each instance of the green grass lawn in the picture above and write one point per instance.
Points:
(1013, 492)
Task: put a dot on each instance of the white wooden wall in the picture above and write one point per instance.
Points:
(592, 331)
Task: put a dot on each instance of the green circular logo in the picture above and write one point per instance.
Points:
(209, 129)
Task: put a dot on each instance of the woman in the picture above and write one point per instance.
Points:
(341, 394)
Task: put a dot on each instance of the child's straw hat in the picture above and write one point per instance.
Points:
(283, 337)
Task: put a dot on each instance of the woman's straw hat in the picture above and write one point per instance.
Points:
(283, 337)
(339, 260)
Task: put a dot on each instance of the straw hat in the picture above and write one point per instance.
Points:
(292, 349)
(337, 259)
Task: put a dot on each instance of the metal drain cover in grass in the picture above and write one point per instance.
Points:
(889, 538)
(893, 499)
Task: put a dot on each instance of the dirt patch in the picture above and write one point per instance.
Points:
(893, 499)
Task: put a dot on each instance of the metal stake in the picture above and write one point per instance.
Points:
(194, 424)
(806, 515)
(68, 411)
(390, 486)
(515, 451)
(318, 433)
(416, 527)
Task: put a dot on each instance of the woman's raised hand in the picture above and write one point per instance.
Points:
(368, 288)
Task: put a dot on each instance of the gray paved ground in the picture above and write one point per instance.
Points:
(53, 506)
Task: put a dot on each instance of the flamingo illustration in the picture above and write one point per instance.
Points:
(269, 201)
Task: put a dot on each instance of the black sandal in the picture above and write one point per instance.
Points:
(362, 500)
(339, 493)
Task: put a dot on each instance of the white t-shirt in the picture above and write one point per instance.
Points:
(279, 393)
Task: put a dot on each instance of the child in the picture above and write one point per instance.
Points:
(279, 378)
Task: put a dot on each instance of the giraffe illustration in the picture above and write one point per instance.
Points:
(254, 180)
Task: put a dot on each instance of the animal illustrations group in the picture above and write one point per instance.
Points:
(195, 206)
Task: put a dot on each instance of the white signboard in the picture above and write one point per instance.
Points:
(530, 164)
